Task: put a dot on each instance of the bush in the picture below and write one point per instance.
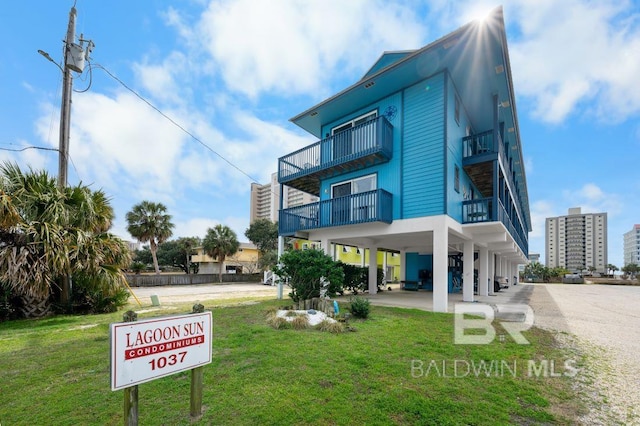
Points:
(137, 267)
(359, 307)
(330, 326)
(97, 301)
(300, 322)
(305, 271)
(277, 322)
(354, 277)
(9, 304)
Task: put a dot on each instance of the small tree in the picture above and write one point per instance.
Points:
(149, 222)
(219, 243)
(305, 271)
(631, 270)
(264, 234)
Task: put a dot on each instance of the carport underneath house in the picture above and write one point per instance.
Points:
(436, 252)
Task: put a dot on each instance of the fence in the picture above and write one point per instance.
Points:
(188, 279)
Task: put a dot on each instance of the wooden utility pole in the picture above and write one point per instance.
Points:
(65, 108)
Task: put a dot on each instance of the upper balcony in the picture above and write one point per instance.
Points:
(483, 210)
(364, 207)
(361, 146)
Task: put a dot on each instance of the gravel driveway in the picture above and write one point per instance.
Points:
(201, 292)
(606, 322)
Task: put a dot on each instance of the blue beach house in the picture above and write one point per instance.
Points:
(421, 157)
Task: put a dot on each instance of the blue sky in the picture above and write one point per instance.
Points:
(233, 72)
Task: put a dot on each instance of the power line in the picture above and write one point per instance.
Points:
(43, 148)
(194, 137)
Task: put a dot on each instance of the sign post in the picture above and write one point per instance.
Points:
(130, 393)
(146, 350)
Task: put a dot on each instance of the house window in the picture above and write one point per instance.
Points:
(346, 206)
(456, 112)
(343, 142)
(456, 179)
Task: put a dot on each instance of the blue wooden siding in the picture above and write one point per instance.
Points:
(415, 262)
(423, 149)
(388, 174)
(456, 130)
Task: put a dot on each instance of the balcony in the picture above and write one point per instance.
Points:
(482, 210)
(362, 146)
(365, 207)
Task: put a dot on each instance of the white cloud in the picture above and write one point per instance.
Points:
(569, 57)
(575, 52)
(292, 46)
(197, 227)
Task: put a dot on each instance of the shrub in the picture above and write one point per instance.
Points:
(9, 304)
(137, 267)
(300, 322)
(277, 322)
(87, 300)
(305, 271)
(354, 277)
(359, 307)
(330, 326)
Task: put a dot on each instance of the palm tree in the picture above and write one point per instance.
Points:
(219, 243)
(149, 222)
(47, 233)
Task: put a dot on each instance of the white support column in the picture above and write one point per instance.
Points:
(334, 252)
(403, 265)
(280, 252)
(492, 271)
(441, 269)
(483, 272)
(325, 244)
(467, 272)
(373, 270)
(384, 266)
(363, 251)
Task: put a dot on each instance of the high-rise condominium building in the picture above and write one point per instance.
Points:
(632, 246)
(265, 199)
(577, 241)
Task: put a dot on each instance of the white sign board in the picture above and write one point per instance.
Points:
(142, 351)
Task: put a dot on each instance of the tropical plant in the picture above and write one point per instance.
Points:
(220, 242)
(307, 272)
(48, 233)
(149, 222)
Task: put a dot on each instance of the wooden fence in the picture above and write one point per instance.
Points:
(188, 279)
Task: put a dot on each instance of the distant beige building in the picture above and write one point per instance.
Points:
(245, 261)
(577, 241)
(265, 199)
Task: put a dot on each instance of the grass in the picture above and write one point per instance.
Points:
(56, 372)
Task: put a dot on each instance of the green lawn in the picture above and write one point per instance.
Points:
(56, 371)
